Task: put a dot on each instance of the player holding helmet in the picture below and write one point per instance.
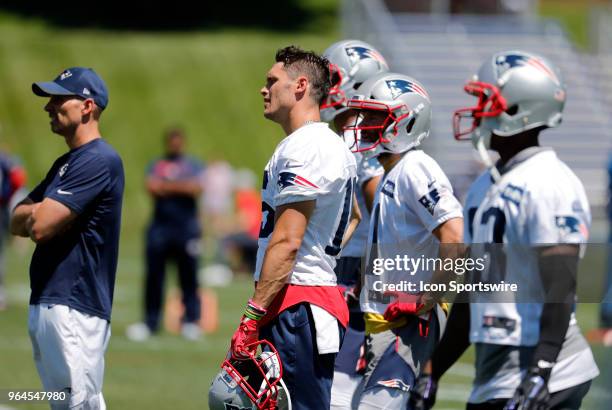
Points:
(528, 355)
(254, 383)
(414, 212)
(307, 191)
(351, 63)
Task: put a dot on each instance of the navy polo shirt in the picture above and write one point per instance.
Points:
(77, 268)
(176, 213)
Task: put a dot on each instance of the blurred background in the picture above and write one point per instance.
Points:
(200, 68)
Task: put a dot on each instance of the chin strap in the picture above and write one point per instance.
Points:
(486, 158)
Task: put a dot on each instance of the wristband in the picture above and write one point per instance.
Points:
(254, 311)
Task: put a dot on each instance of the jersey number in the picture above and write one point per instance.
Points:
(499, 223)
(267, 220)
(494, 253)
(267, 213)
(334, 248)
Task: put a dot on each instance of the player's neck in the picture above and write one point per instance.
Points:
(388, 160)
(299, 117)
(83, 134)
(507, 153)
(508, 147)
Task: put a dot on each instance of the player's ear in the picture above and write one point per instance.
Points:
(301, 84)
(88, 106)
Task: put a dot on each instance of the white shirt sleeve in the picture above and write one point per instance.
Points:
(555, 216)
(302, 174)
(368, 168)
(431, 196)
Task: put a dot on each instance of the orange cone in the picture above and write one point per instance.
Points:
(174, 310)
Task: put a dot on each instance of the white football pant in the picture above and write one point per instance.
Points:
(68, 349)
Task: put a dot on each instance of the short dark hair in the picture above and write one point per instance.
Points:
(174, 132)
(97, 112)
(316, 68)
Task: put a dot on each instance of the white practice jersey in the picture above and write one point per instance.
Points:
(538, 201)
(412, 200)
(367, 168)
(310, 164)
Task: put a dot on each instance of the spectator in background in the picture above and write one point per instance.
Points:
(217, 199)
(239, 248)
(175, 183)
(12, 179)
(605, 313)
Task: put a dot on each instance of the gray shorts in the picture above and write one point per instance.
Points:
(394, 360)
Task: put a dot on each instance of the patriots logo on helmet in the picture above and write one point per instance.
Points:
(508, 61)
(399, 87)
(286, 179)
(361, 53)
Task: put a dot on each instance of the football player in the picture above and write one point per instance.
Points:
(351, 63)
(528, 355)
(414, 212)
(307, 190)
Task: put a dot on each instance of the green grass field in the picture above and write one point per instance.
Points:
(171, 373)
(208, 82)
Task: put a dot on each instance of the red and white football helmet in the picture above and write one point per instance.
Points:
(403, 109)
(351, 63)
(517, 91)
(254, 384)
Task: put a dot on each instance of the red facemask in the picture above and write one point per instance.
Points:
(374, 133)
(336, 97)
(490, 104)
(250, 380)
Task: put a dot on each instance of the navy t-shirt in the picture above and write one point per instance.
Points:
(176, 212)
(77, 268)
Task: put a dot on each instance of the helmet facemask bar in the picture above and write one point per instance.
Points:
(490, 104)
(368, 143)
(264, 397)
(336, 98)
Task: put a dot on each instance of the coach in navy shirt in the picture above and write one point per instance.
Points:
(74, 216)
(174, 182)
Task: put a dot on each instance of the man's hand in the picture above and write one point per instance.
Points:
(532, 393)
(423, 393)
(29, 223)
(404, 304)
(21, 218)
(156, 186)
(49, 219)
(247, 332)
(162, 188)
